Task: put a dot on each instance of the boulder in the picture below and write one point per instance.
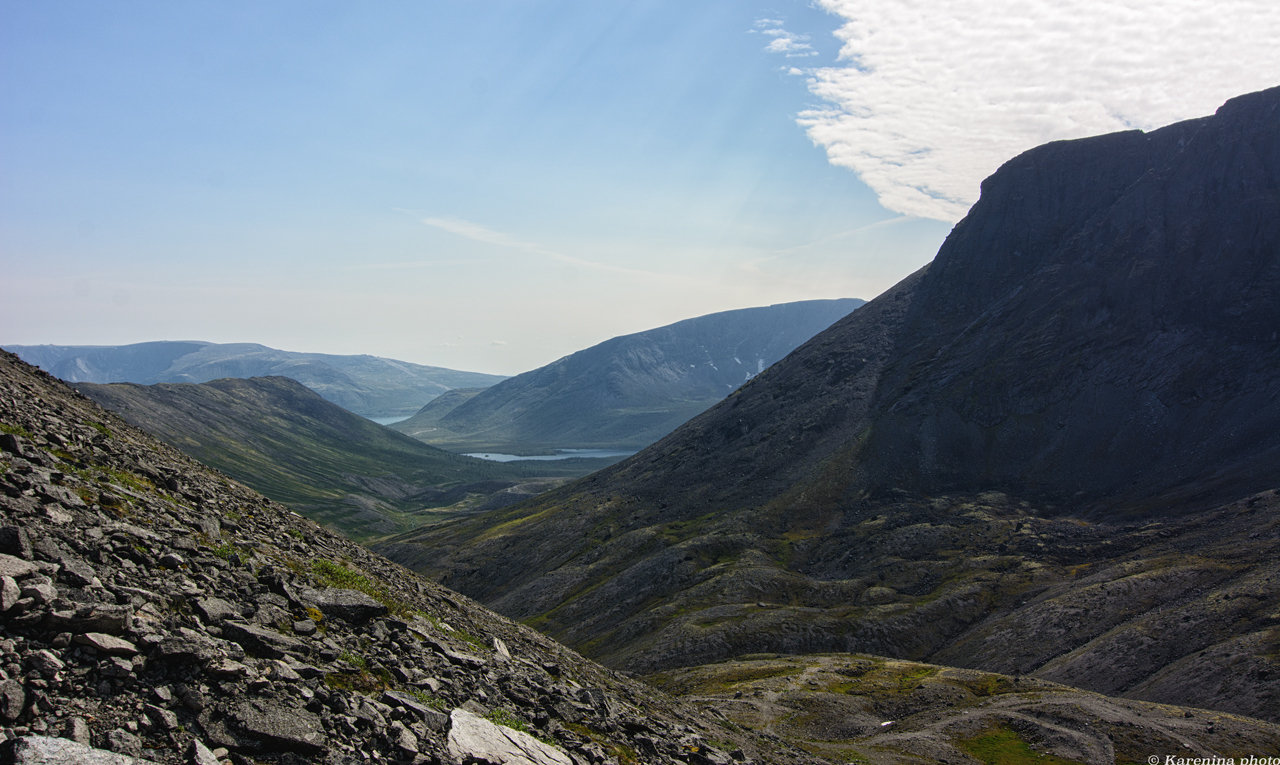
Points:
(473, 739)
(350, 605)
(281, 728)
(39, 750)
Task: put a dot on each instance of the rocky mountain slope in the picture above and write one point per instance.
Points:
(858, 708)
(333, 466)
(157, 609)
(627, 392)
(367, 385)
(1054, 451)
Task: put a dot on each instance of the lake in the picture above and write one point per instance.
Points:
(389, 420)
(561, 454)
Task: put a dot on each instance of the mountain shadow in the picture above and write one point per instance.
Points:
(1053, 451)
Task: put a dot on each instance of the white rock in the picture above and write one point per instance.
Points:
(473, 739)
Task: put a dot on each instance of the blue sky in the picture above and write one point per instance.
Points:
(492, 185)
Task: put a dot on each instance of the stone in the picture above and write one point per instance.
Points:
(9, 593)
(215, 610)
(162, 717)
(40, 592)
(350, 605)
(108, 644)
(15, 541)
(405, 741)
(283, 672)
(77, 730)
(60, 494)
(16, 567)
(281, 728)
(12, 699)
(124, 742)
(16, 445)
(475, 739)
(263, 641)
(196, 646)
(431, 717)
(199, 754)
(45, 662)
(228, 669)
(76, 572)
(96, 617)
(172, 561)
(40, 750)
(304, 627)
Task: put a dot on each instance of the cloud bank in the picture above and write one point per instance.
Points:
(932, 97)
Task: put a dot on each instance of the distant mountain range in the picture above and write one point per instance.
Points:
(626, 392)
(336, 467)
(1054, 451)
(367, 385)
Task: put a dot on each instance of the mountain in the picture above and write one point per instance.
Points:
(336, 467)
(158, 609)
(154, 608)
(1052, 452)
(367, 385)
(627, 392)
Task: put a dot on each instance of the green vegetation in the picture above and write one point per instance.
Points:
(625, 755)
(1002, 746)
(336, 467)
(333, 575)
(15, 430)
(428, 699)
(103, 429)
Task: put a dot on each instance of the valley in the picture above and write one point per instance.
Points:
(627, 392)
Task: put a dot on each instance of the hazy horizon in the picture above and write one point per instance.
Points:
(491, 188)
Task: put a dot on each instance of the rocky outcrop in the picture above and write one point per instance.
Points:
(152, 609)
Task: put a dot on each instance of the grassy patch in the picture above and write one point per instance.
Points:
(333, 575)
(1002, 746)
(15, 430)
(103, 429)
(428, 699)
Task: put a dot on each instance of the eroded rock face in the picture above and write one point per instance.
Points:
(171, 614)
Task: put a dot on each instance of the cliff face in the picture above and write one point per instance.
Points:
(1088, 375)
(1101, 330)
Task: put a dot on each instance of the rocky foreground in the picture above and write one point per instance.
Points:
(159, 611)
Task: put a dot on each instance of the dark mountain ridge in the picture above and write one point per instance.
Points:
(1058, 442)
(371, 386)
(629, 391)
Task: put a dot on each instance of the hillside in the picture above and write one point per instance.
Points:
(157, 609)
(335, 467)
(1054, 452)
(627, 392)
(367, 385)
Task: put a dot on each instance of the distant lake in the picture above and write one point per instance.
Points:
(389, 420)
(562, 454)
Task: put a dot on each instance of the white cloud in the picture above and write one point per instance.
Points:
(932, 97)
(793, 45)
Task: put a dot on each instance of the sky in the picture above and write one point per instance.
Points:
(491, 185)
